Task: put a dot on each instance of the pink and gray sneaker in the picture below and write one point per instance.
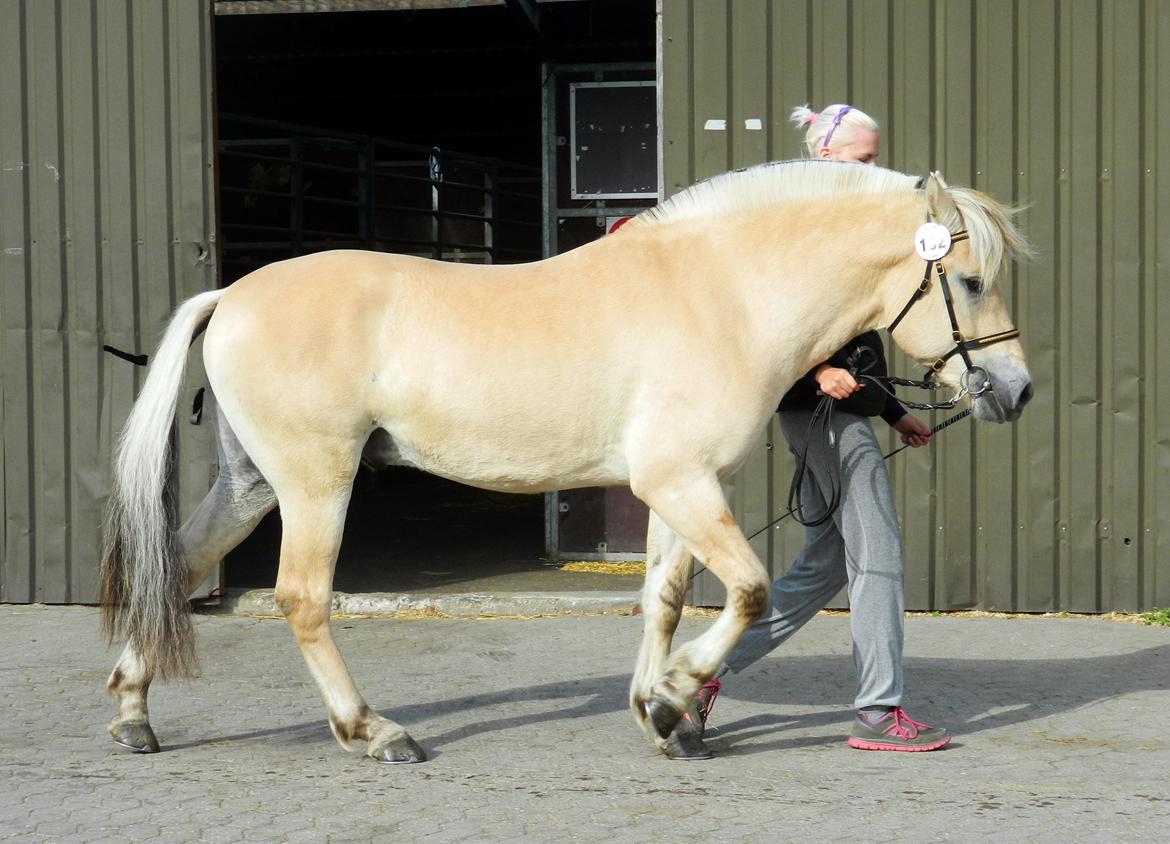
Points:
(895, 731)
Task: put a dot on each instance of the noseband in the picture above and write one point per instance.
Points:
(975, 380)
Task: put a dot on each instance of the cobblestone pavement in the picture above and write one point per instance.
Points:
(1060, 729)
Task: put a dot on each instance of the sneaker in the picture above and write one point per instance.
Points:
(705, 700)
(895, 731)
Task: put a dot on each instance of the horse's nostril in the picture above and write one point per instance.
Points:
(1026, 394)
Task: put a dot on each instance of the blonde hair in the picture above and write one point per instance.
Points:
(836, 122)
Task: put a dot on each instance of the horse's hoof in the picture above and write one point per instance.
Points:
(662, 715)
(399, 751)
(135, 735)
(685, 745)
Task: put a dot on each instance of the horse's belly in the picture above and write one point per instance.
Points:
(523, 463)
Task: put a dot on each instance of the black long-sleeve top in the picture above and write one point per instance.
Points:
(870, 400)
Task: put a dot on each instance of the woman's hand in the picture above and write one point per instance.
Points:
(836, 383)
(913, 432)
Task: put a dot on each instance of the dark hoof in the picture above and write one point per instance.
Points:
(137, 736)
(662, 715)
(400, 751)
(685, 746)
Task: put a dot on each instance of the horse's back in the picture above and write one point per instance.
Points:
(459, 363)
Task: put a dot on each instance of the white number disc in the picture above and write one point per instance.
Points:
(932, 241)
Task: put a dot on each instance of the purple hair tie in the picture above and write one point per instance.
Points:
(836, 122)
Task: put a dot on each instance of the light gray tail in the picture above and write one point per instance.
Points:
(144, 576)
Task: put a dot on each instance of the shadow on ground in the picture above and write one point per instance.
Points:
(967, 696)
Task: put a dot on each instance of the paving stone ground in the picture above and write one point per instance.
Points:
(1060, 723)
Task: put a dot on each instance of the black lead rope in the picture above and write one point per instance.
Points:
(858, 363)
(946, 423)
(822, 415)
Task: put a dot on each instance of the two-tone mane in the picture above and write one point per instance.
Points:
(993, 236)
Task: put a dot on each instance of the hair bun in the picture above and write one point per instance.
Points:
(803, 116)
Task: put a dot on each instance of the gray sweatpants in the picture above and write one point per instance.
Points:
(860, 545)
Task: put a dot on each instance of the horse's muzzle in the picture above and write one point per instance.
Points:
(1005, 401)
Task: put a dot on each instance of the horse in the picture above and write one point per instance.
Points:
(653, 357)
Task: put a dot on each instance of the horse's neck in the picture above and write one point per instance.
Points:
(805, 296)
(804, 334)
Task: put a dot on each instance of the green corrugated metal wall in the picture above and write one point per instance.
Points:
(1062, 106)
(106, 207)
(106, 222)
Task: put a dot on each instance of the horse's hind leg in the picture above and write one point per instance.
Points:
(313, 520)
(694, 507)
(237, 502)
(663, 593)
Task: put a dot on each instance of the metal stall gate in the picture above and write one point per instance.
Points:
(1062, 108)
(106, 222)
(289, 190)
(600, 167)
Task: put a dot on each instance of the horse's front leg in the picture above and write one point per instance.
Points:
(695, 509)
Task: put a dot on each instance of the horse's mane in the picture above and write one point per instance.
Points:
(775, 183)
(993, 236)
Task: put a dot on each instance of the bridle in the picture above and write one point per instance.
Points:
(975, 380)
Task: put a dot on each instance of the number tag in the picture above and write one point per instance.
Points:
(932, 241)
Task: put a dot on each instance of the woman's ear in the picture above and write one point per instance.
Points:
(824, 152)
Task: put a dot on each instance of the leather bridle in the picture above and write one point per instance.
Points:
(975, 380)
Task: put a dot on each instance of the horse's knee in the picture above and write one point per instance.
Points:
(751, 599)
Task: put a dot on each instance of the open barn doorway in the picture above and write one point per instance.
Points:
(415, 130)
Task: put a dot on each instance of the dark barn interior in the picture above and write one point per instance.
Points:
(467, 81)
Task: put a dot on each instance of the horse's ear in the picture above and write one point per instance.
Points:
(938, 202)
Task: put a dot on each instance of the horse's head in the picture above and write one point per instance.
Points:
(972, 343)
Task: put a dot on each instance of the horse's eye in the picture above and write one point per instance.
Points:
(974, 284)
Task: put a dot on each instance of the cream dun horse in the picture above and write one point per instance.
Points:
(652, 357)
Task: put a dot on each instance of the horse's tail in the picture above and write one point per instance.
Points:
(143, 572)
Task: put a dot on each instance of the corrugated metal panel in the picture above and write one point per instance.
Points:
(106, 222)
(1061, 106)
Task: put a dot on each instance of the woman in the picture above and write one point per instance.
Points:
(860, 545)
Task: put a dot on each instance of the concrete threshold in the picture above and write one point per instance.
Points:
(261, 603)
